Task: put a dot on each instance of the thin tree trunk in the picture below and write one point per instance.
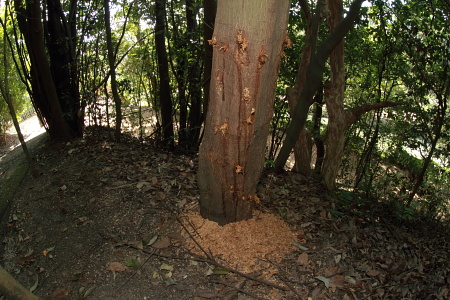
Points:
(163, 69)
(334, 99)
(247, 42)
(4, 89)
(112, 68)
(303, 146)
(442, 111)
(194, 79)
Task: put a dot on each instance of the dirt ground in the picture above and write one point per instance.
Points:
(103, 222)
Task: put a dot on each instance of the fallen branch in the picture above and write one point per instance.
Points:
(205, 260)
(12, 289)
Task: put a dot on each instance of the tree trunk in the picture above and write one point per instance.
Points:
(44, 91)
(303, 146)
(313, 80)
(163, 69)
(112, 68)
(247, 46)
(61, 47)
(4, 90)
(194, 78)
(209, 8)
(441, 95)
(334, 99)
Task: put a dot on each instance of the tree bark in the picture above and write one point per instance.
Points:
(163, 69)
(334, 100)
(247, 46)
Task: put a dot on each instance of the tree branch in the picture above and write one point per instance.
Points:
(362, 109)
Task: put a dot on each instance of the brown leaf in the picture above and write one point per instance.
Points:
(116, 267)
(303, 259)
(373, 272)
(337, 281)
(164, 242)
(60, 294)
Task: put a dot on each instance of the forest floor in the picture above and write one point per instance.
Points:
(104, 221)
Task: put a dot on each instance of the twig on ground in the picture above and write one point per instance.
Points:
(205, 260)
(208, 255)
(238, 289)
(294, 290)
(232, 294)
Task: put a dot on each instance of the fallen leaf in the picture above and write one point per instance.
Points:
(220, 271)
(48, 250)
(373, 272)
(116, 267)
(324, 280)
(60, 294)
(164, 242)
(303, 259)
(166, 267)
(153, 240)
(169, 281)
(337, 281)
(132, 263)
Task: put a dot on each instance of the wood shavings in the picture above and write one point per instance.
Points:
(246, 245)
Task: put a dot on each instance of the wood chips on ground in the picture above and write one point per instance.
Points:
(246, 245)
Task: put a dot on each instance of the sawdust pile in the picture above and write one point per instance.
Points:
(246, 245)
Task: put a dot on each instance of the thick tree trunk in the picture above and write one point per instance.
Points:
(44, 91)
(112, 70)
(63, 64)
(163, 69)
(247, 41)
(209, 8)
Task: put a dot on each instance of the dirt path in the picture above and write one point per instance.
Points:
(30, 128)
(13, 165)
